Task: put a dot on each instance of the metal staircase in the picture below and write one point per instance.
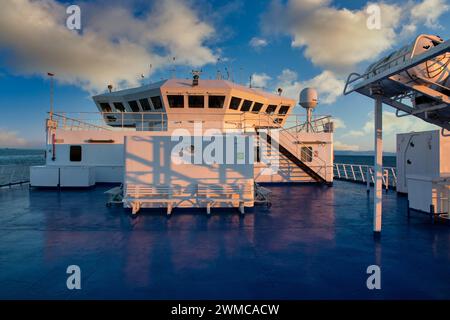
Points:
(296, 151)
(296, 157)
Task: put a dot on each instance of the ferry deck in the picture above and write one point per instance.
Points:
(315, 242)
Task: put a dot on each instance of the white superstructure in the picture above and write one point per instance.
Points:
(132, 139)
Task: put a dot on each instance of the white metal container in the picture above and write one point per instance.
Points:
(44, 176)
(77, 176)
(428, 194)
(421, 153)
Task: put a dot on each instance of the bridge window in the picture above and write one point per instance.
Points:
(246, 105)
(257, 107)
(283, 110)
(176, 101)
(75, 153)
(216, 102)
(134, 106)
(235, 102)
(119, 106)
(271, 109)
(156, 101)
(196, 101)
(307, 154)
(145, 104)
(105, 107)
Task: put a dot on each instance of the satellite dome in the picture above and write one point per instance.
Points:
(308, 98)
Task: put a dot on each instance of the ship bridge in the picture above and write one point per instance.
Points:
(138, 124)
(173, 103)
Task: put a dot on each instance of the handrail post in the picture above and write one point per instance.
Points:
(386, 180)
(394, 178)
(368, 179)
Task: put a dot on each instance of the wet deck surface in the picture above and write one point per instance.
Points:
(314, 243)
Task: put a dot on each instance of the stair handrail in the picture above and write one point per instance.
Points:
(284, 132)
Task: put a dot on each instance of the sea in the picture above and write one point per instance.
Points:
(34, 157)
(22, 157)
(388, 161)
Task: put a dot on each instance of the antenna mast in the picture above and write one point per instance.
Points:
(173, 70)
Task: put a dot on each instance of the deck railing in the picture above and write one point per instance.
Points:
(364, 174)
(158, 121)
(14, 174)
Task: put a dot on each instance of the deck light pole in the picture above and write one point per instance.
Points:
(51, 75)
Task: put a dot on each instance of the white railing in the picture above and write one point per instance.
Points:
(14, 174)
(288, 126)
(297, 123)
(158, 121)
(364, 174)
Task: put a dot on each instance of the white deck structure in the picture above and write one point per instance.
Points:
(132, 135)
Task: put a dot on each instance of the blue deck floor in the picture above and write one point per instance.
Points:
(313, 243)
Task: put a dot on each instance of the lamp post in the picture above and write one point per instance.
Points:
(51, 75)
(50, 122)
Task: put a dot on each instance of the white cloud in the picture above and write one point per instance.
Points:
(338, 145)
(260, 80)
(337, 39)
(113, 47)
(333, 38)
(328, 86)
(10, 139)
(392, 125)
(339, 123)
(428, 12)
(258, 43)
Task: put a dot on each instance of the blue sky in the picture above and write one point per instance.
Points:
(289, 44)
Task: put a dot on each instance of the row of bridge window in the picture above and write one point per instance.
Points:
(195, 101)
(145, 104)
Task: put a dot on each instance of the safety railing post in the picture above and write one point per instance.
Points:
(362, 174)
(353, 172)
(368, 179)
(386, 179)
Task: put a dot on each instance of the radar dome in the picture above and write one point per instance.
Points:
(308, 98)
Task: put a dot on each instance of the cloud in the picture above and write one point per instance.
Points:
(328, 86)
(260, 80)
(114, 46)
(334, 39)
(258, 43)
(339, 123)
(10, 139)
(337, 39)
(338, 145)
(428, 12)
(392, 125)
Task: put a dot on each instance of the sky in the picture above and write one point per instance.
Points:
(290, 44)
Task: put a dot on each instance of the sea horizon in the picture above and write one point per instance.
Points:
(36, 156)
